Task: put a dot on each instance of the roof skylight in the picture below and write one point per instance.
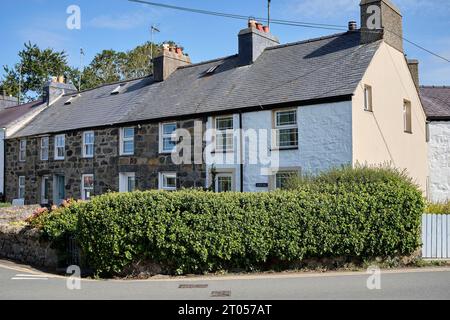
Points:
(72, 99)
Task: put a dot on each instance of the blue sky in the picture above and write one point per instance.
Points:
(121, 25)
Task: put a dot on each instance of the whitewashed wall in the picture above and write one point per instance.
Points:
(325, 141)
(439, 161)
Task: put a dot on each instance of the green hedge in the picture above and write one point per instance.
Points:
(438, 208)
(196, 231)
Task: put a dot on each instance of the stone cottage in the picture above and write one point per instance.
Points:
(12, 118)
(312, 105)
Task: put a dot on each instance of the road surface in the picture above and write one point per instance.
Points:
(20, 282)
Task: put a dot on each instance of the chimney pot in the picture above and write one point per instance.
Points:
(169, 60)
(259, 26)
(253, 42)
(266, 29)
(352, 26)
(252, 23)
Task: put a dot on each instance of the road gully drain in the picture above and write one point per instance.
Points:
(192, 286)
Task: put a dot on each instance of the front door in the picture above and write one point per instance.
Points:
(59, 189)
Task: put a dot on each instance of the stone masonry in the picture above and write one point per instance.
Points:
(106, 165)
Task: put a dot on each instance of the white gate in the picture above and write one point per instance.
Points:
(436, 236)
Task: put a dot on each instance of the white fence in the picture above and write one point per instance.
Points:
(436, 236)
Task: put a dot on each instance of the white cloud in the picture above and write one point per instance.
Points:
(322, 8)
(337, 8)
(43, 38)
(120, 22)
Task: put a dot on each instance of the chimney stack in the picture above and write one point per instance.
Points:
(352, 26)
(253, 41)
(57, 87)
(381, 19)
(170, 59)
(413, 66)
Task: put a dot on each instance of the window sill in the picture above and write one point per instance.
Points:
(408, 132)
(284, 148)
(367, 110)
(126, 155)
(222, 151)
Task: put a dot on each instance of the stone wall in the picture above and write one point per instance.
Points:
(26, 246)
(106, 165)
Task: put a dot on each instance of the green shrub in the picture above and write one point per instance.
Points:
(195, 231)
(438, 208)
(4, 205)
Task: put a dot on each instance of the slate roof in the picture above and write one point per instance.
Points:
(10, 114)
(436, 102)
(319, 68)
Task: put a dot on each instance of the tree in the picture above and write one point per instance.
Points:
(36, 66)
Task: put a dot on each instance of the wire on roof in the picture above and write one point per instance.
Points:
(281, 22)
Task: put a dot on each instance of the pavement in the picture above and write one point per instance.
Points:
(19, 282)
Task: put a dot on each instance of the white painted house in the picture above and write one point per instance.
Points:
(436, 101)
(375, 115)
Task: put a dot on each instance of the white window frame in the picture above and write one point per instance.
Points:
(407, 116)
(22, 150)
(83, 187)
(44, 200)
(124, 180)
(46, 148)
(85, 144)
(227, 132)
(163, 136)
(224, 175)
(368, 98)
(273, 178)
(276, 141)
(162, 180)
(22, 186)
(63, 136)
(123, 140)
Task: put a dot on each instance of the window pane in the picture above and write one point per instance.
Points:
(224, 184)
(128, 146)
(288, 137)
(60, 152)
(131, 184)
(60, 141)
(224, 123)
(88, 182)
(168, 144)
(44, 142)
(169, 181)
(282, 179)
(89, 149)
(225, 140)
(89, 138)
(169, 128)
(128, 133)
(286, 118)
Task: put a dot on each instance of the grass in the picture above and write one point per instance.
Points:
(4, 205)
(439, 208)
